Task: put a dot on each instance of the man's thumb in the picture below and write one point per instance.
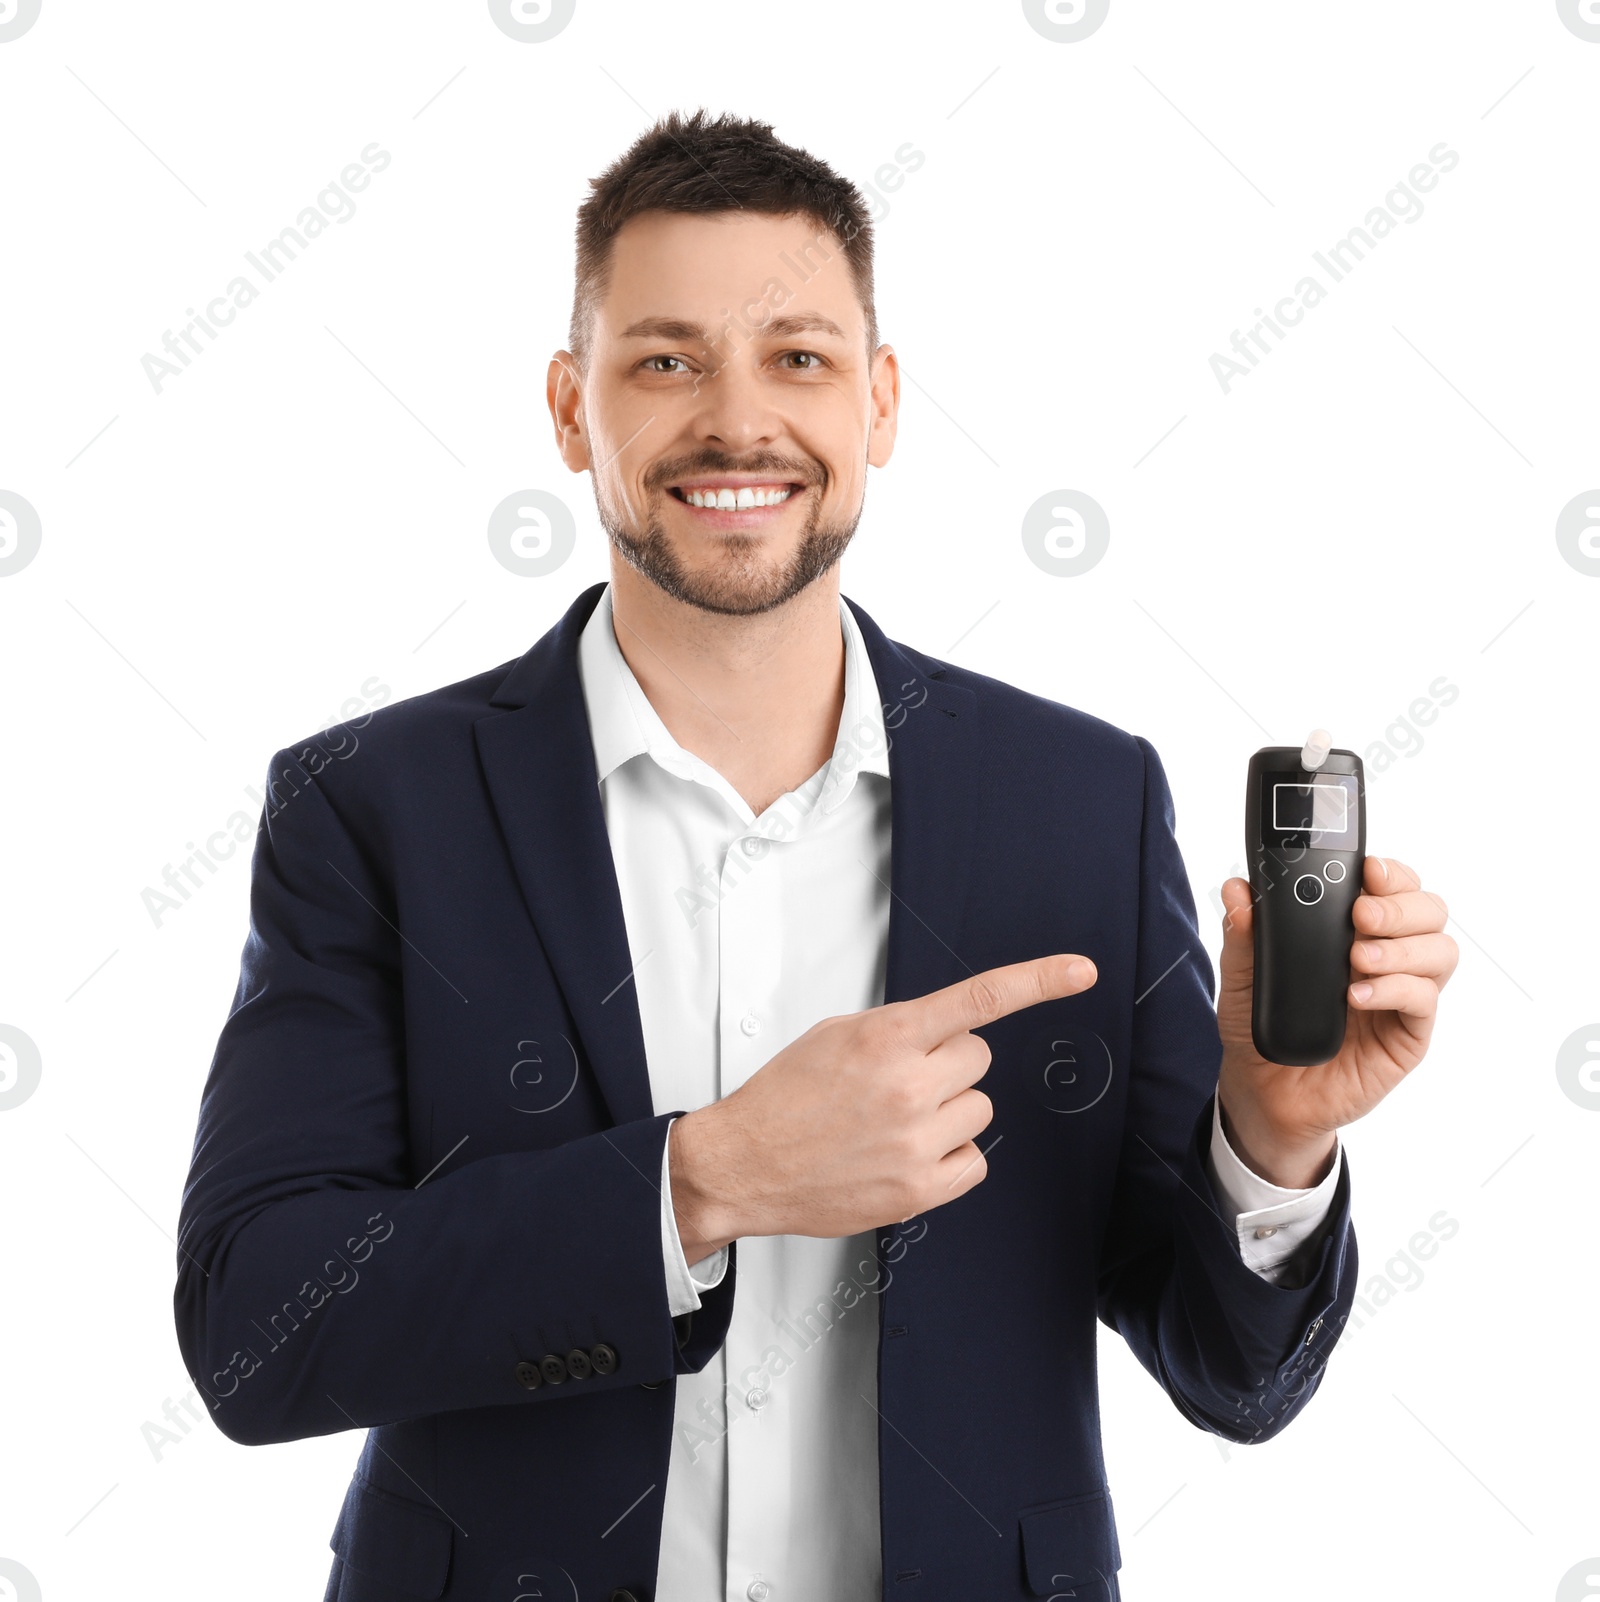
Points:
(1237, 912)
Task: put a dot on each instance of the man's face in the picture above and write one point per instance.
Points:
(730, 407)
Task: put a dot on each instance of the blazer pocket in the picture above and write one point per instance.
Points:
(393, 1541)
(1069, 1547)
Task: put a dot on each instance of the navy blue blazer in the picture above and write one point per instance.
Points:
(424, 1193)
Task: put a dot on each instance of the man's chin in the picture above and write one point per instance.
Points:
(743, 578)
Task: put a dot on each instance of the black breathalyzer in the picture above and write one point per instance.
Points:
(1306, 839)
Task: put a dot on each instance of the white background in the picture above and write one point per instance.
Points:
(225, 563)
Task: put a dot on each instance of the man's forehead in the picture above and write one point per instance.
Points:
(699, 268)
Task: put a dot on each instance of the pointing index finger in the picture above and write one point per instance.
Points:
(995, 993)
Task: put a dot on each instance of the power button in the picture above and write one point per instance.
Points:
(1308, 888)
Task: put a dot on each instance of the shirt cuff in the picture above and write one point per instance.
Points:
(1272, 1221)
(684, 1284)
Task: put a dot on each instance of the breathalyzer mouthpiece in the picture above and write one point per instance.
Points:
(1315, 751)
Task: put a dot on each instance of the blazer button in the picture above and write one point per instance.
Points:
(620, 1595)
(553, 1369)
(528, 1374)
(651, 1385)
(603, 1358)
(578, 1365)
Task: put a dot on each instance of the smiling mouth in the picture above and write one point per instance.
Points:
(729, 497)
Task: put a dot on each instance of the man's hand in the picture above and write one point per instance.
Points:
(863, 1120)
(1281, 1120)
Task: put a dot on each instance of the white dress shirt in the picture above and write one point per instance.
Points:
(743, 932)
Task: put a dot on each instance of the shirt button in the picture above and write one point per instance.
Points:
(758, 1591)
(755, 1398)
(1270, 1229)
(750, 1024)
(753, 845)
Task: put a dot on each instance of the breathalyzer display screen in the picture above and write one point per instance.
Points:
(1309, 806)
(1320, 812)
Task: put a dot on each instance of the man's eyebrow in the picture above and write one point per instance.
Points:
(785, 327)
(664, 328)
(800, 323)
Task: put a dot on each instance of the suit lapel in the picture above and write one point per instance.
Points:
(936, 768)
(538, 762)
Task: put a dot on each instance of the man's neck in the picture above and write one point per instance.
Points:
(758, 698)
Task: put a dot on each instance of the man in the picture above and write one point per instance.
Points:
(598, 1121)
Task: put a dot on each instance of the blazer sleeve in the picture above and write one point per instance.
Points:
(1238, 1355)
(323, 1283)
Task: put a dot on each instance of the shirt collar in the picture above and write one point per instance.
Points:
(623, 724)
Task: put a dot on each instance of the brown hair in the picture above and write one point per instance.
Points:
(701, 163)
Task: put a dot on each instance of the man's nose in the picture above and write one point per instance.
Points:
(736, 409)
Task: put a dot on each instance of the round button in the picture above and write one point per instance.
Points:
(750, 1024)
(758, 1591)
(1334, 871)
(578, 1365)
(622, 1596)
(755, 1398)
(553, 1369)
(528, 1374)
(754, 845)
(1308, 888)
(1266, 1230)
(603, 1358)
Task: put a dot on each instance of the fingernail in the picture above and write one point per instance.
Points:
(1383, 867)
(1361, 991)
(1080, 972)
(1371, 950)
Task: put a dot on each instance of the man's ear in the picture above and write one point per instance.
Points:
(885, 406)
(563, 388)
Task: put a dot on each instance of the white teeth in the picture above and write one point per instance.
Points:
(734, 500)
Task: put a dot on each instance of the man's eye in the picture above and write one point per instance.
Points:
(804, 361)
(666, 364)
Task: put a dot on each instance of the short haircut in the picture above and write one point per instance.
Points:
(701, 163)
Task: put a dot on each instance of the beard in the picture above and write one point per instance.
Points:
(739, 581)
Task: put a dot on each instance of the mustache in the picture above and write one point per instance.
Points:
(797, 469)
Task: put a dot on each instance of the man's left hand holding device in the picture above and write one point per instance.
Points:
(1280, 1120)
